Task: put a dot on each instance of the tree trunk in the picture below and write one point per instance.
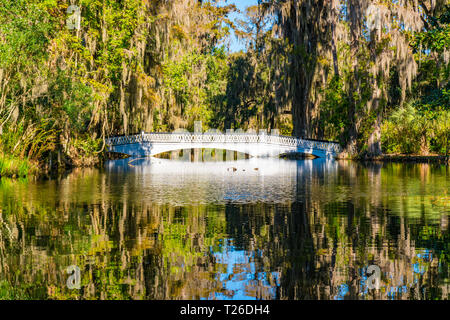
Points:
(374, 141)
(335, 18)
(354, 16)
(300, 112)
(302, 27)
(351, 146)
(424, 147)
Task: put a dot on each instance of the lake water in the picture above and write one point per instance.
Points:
(247, 229)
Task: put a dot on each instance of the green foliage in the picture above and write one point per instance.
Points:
(88, 146)
(197, 82)
(176, 76)
(409, 130)
(437, 38)
(333, 118)
(15, 167)
(9, 292)
(25, 29)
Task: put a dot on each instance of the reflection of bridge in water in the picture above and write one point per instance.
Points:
(177, 182)
(256, 145)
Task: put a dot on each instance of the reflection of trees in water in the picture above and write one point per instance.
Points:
(124, 251)
(369, 231)
(322, 250)
(318, 245)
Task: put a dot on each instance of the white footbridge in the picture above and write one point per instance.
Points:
(253, 144)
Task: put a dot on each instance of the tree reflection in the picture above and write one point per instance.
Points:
(331, 222)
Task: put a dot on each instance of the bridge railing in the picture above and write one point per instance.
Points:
(186, 137)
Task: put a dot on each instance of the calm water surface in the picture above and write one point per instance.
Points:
(246, 229)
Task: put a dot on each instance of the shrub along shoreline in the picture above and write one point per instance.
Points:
(13, 167)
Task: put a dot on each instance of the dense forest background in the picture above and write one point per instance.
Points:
(372, 75)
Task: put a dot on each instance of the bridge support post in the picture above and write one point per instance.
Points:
(262, 139)
(229, 153)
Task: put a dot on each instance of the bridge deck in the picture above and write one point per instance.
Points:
(224, 141)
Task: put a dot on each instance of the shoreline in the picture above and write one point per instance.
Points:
(399, 158)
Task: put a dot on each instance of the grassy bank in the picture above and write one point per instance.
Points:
(14, 167)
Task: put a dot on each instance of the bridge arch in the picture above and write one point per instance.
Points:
(168, 148)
